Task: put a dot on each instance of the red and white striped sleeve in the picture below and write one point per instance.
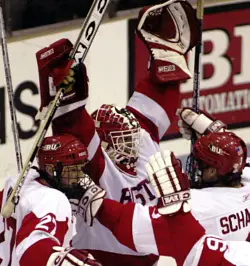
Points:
(143, 229)
(155, 106)
(39, 224)
(212, 250)
(48, 224)
(75, 120)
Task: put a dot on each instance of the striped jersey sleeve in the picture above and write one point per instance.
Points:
(155, 106)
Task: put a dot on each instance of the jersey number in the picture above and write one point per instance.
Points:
(47, 223)
(216, 244)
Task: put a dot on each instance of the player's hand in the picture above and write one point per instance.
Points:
(201, 123)
(171, 185)
(169, 31)
(71, 257)
(89, 200)
(56, 70)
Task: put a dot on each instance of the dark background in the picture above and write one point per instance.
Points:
(23, 14)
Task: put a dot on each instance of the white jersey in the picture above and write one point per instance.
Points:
(224, 211)
(42, 213)
(122, 188)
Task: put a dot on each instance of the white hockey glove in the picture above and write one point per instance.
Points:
(71, 257)
(89, 203)
(171, 185)
(202, 123)
(169, 30)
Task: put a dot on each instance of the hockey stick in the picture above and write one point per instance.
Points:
(196, 83)
(198, 50)
(79, 52)
(10, 91)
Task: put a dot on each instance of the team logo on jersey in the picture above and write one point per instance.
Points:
(51, 147)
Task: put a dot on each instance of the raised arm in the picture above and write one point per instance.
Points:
(71, 117)
(168, 31)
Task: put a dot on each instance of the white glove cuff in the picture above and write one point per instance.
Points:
(201, 123)
(57, 257)
(90, 203)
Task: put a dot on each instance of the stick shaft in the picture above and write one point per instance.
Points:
(89, 30)
(198, 51)
(196, 84)
(10, 92)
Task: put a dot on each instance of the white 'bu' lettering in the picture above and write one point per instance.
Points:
(51, 147)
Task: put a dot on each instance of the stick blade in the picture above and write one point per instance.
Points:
(8, 209)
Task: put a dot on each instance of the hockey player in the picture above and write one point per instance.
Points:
(41, 226)
(220, 198)
(127, 136)
(168, 229)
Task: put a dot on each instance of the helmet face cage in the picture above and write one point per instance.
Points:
(66, 178)
(62, 160)
(126, 142)
(119, 128)
(195, 168)
(69, 174)
(194, 171)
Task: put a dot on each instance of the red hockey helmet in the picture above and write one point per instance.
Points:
(118, 128)
(224, 151)
(62, 158)
(65, 149)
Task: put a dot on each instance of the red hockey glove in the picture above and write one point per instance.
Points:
(71, 257)
(56, 70)
(169, 30)
(171, 185)
(88, 204)
(202, 123)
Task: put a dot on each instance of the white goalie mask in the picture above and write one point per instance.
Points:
(119, 131)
